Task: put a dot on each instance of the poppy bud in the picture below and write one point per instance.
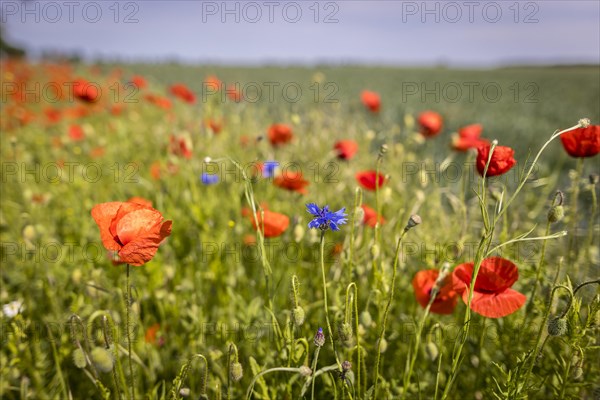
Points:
(384, 345)
(557, 327)
(577, 373)
(556, 213)
(413, 221)
(345, 333)
(79, 358)
(319, 338)
(366, 319)
(184, 392)
(102, 359)
(298, 314)
(432, 351)
(236, 371)
(359, 215)
(382, 150)
(305, 371)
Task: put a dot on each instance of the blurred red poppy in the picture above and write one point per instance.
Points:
(213, 83)
(214, 125)
(492, 295)
(132, 230)
(86, 91)
(180, 147)
(274, 223)
(346, 149)
(468, 138)
(280, 134)
(371, 218)
(159, 101)
(370, 100)
(53, 115)
(370, 180)
(76, 133)
(582, 142)
(139, 81)
(502, 160)
(430, 123)
(183, 92)
(153, 337)
(293, 181)
(446, 299)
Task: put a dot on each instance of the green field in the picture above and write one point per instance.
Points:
(211, 289)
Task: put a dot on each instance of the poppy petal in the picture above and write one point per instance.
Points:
(496, 305)
(496, 274)
(142, 249)
(104, 214)
(138, 224)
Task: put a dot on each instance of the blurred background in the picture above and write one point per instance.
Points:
(392, 33)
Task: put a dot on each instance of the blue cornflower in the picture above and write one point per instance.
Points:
(209, 179)
(324, 218)
(269, 168)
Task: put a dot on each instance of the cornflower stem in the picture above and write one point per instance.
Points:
(415, 349)
(573, 220)
(128, 332)
(387, 309)
(314, 370)
(329, 330)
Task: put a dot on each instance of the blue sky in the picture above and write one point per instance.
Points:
(457, 33)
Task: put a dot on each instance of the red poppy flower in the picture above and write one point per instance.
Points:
(370, 180)
(582, 142)
(151, 335)
(141, 201)
(446, 299)
(370, 100)
(76, 133)
(214, 125)
(274, 223)
(179, 146)
(280, 134)
(346, 149)
(86, 91)
(293, 181)
(159, 101)
(116, 109)
(139, 81)
(54, 115)
(97, 152)
(131, 230)
(213, 83)
(468, 138)
(431, 123)
(502, 159)
(492, 295)
(371, 218)
(183, 92)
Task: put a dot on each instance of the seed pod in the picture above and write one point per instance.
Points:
(79, 358)
(345, 333)
(556, 213)
(298, 314)
(557, 327)
(236, 371)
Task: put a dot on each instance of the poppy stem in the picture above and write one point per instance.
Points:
(128, 332)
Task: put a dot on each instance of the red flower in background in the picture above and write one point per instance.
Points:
(469, 138)
(132, 230)
(279, 134)
(371, 218)
(214, 125)
(430, 123)
(371, 100)
(346, 149)
(86, 91)
(292, 181)
(492, 295)
(153, 337)
(180, 147)
(76, 133)
(139, 81)
(502, 160)
(213, 83)
(370, 180)
(159, 101)
(446, 299)
(274, 223)
(582, 142)
(53, 115)
(183, 92)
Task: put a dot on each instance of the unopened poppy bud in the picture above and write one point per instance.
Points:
(585, 122)
(102, 359)
(346, 366)
(557, 327)
(319, 338)
(236, 371)
(79, 358)
(345, 333)
(432, 351)
(184, 392)
(305, 371)
(366, 319)
(594, 179)
(382, 150)
(413, 221)
(556, 213)
(577, 372)
(359, 216)
(298, 314)
(384, 345)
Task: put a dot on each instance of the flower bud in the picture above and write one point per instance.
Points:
(345, 333)
(577, 373)
(359, 215)
(319, 338)
(413, 221)
(557, 327)
(594, 179)
(556, 213)
(584, 122)
(79, 358)
(236, 372)
(366, 319)
(298, 314)
(184, 392)
(298, 233)
(305, 371)
(384, 345)
(432, 351)
(346, 366)
(102, 359)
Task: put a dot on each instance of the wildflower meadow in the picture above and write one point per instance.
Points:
(203, 232)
